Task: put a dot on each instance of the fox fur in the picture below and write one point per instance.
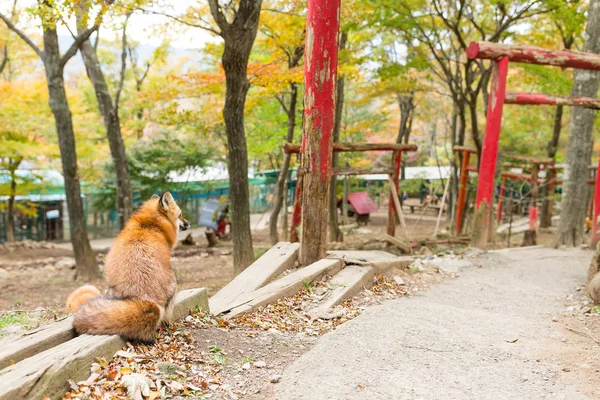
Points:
(141, 282)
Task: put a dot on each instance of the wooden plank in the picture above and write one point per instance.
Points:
(364, 171)
(276, 260)
(465, 149)
(381, 261)
(47, 373)
(36, 341)
(345, 284)
(285, 286)
(349, 147)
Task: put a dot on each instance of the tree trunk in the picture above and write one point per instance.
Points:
(239, 37)
(281, 186)
(579, 147)
(87, 268)
(112, 124)
(10, 222)
(335, 234)
(546, 218)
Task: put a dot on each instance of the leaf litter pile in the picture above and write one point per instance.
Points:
(178, 367)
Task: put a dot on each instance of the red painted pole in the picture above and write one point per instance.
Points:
(487, 165)
(595, 237)
(534, 55)
(392, 212)
(541, 99)
(462, 192)
(320, 76)
(500, 202)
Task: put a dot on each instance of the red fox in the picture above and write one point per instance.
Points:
(141, 283)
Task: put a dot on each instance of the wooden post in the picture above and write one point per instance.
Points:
(487, 167)
(550, 194)
(437, 223)
(394, 186)
(396, 201)
(462, 192)
(500, 202)
(297, 211)
(541, 99)
(320, 76)
(533, 209)
(596, 208)
(345, 201)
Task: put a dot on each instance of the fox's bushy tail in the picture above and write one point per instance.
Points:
(80, 296)
(132, 318)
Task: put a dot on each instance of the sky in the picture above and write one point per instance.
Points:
(140, 28)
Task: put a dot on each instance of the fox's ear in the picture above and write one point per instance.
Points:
(165, 200)
(155, 196)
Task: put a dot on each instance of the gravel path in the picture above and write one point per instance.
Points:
(487, 335)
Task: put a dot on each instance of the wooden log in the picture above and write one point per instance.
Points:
(548, 99)
(320, 78)
(285, 286)
(211, 238)
(394, 181)
(364, 171)
(462, 192)
(276, 260)
(404, 246)
(534, 55)
(47, 373)
(358, 147)
(513, 176)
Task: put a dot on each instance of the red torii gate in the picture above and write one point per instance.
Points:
(501, 54)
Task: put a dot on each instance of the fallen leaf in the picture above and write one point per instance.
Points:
(137, 386)
(176, 386)
(125, 354)
(512, 341)
(125, 371)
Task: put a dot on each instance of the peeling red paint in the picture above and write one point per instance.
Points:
(489, 153)
(321, 59)
(541, 98)
(534, 55)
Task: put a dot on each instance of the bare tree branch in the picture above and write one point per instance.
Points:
(206, 27)
(16, 30)
(75, 46)
(220, 19)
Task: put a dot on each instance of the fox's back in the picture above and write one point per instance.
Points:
(138, 264)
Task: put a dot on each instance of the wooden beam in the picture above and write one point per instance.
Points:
(530, 159)
(464, 148)
(398, 207)
(47, 373)
(534, 55)
(548, 99)
(276, 260)
(350, 147)
(364, 171)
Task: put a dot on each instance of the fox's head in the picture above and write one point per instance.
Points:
(168, 206)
